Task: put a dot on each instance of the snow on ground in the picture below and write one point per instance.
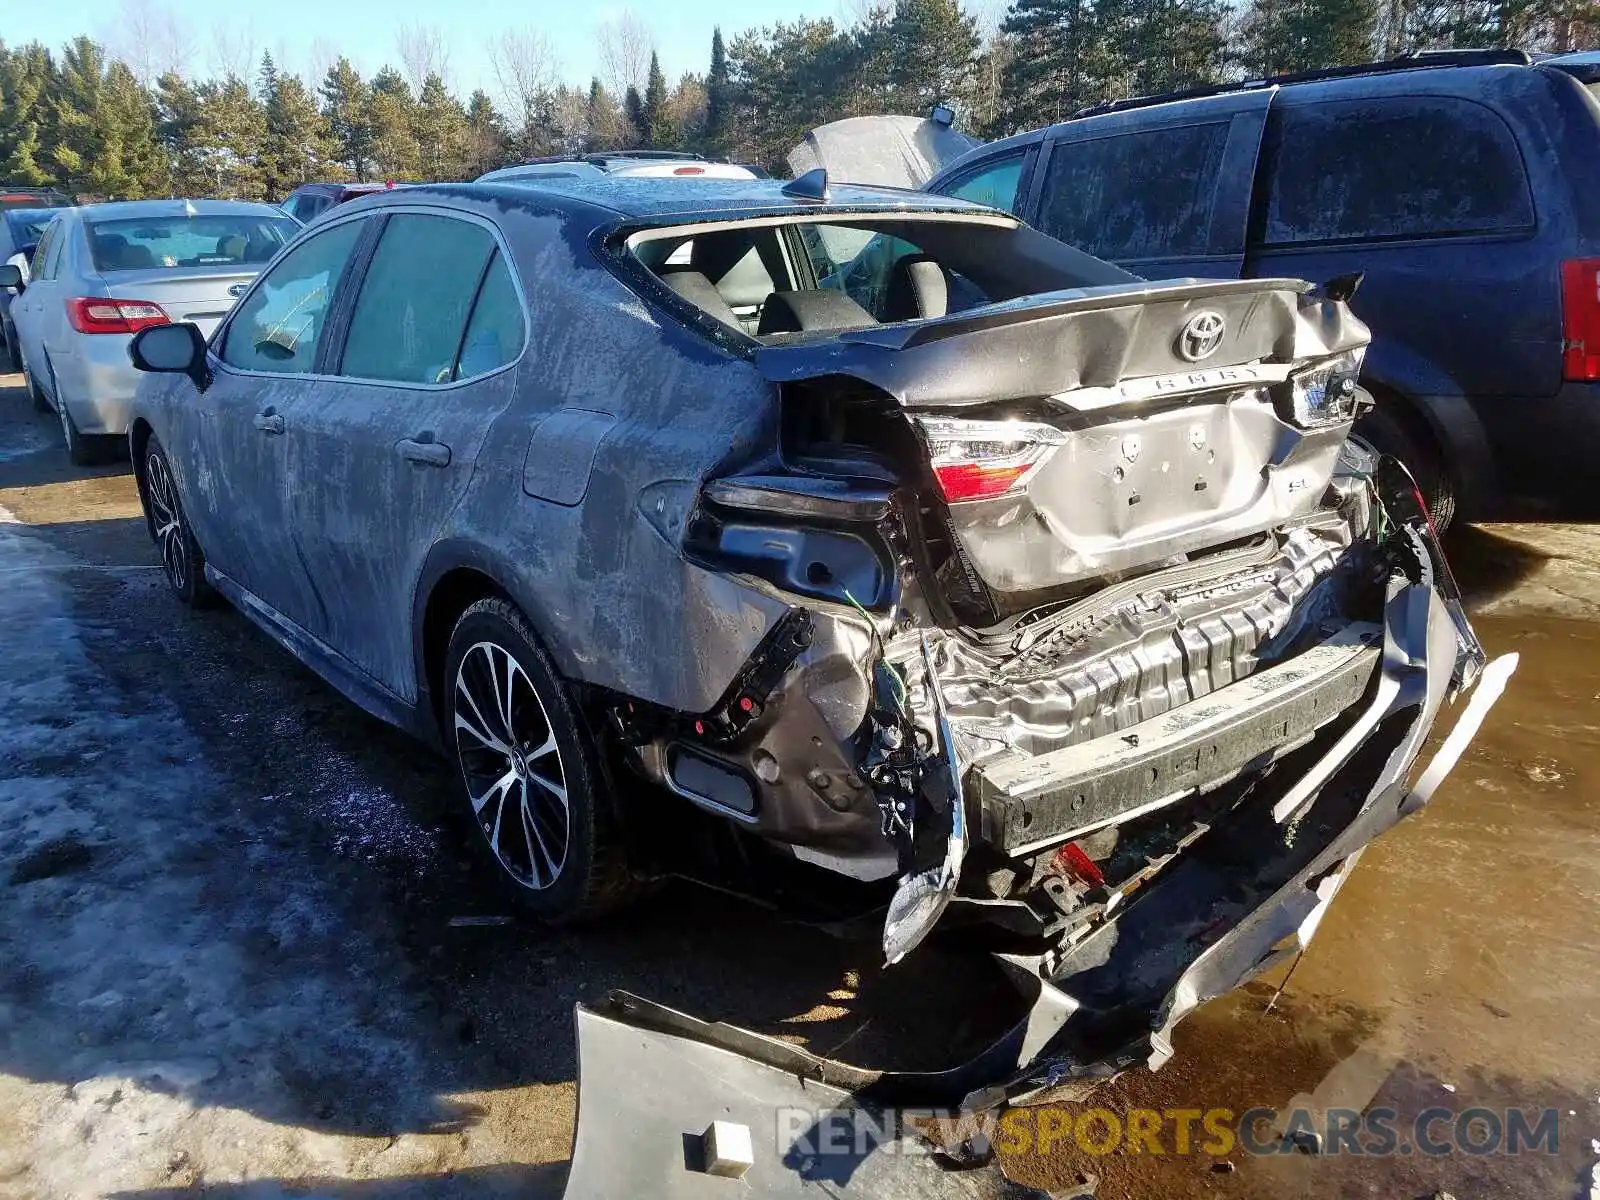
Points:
(155, 1030)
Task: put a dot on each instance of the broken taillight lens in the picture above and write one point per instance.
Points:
(979, 460)
(1580, 319)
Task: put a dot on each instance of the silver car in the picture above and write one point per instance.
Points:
(105, 271)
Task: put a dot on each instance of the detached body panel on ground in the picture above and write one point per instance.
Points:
(948, 568)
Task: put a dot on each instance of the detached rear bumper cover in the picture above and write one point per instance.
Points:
(1088, 1020)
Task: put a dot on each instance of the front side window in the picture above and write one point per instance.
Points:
(411, 314)
(1138, 195)
(1392, 167)
(223, 240)
(994, 184)
(278, 325)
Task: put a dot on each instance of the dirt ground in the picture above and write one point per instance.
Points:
(232, 957)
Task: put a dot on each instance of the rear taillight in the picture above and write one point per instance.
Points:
(1580, 318)
(95, 314)
(979, 460)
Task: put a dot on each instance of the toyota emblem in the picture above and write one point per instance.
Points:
(1202, 334)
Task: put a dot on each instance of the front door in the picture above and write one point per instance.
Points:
(377, 463)
(264, 359)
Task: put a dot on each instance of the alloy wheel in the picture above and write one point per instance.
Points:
(167, 520)
(512, 765)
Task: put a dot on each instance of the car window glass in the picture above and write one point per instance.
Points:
(494, 333)
(1392, 167)
(1136, 195)
(994, 185)
(412, 311)
(856, 262)
(58, 244)
(277, 326)
(41, 252)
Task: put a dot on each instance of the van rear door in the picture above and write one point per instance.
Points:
(1163, 191)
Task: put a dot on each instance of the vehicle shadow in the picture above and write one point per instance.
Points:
(294, 922)
(510, 1179)
(1487, 565)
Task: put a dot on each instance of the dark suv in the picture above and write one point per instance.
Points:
(1464, 186)
(310, 200)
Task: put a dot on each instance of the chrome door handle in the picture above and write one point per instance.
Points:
(269, 422)
(429, 454)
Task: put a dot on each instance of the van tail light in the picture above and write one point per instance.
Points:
(1580, 319)
(96, 314)
(980, 460)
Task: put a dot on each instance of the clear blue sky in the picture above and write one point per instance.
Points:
(305, 31)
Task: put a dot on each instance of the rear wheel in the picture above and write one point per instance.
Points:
(529, 771)
(1383, 433)
(182, 560)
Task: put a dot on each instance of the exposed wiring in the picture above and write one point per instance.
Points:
(901, 698)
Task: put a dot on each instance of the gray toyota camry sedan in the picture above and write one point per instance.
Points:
(905, 548)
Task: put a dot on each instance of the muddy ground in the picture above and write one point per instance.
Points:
(231, 957)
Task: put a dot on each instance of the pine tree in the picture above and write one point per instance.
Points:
(440, 129)
(1165, 45)
(603, 118)
(486, 135)
(27, 75)
(933, 47)
(633, 111)
(228, 137)
(391, 113)
(717, 96)
(1064, 56)
(652, 117)
(1275, 36)
(177, 119)
(102, 126)
(344, 105)
(297, 148)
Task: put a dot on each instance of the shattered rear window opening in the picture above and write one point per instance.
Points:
(801, 278)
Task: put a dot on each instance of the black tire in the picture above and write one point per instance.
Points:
(84, 450)
(182, 560)
(493, 651)
(1383, 433)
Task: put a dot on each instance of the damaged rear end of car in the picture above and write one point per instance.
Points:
(1096, 631)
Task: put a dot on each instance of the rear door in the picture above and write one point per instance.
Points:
(27, 310)
(1162, 191)
(377, 463)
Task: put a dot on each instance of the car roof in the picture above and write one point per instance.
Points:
(606, 200)
(132, 209)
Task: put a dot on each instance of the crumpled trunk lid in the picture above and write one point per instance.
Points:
(1137, 423)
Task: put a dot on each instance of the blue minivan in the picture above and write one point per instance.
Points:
(1464, 187)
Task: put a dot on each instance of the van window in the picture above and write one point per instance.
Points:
(1391, 167)
(994, 184)
(1129, 196)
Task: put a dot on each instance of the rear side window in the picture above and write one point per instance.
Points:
(1392, 167)
(277, 326)
(1148, 194)
(414, 304)
(494, 333)
(42, 251)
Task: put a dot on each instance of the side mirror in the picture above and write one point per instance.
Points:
(178, 349)
(11, 276)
